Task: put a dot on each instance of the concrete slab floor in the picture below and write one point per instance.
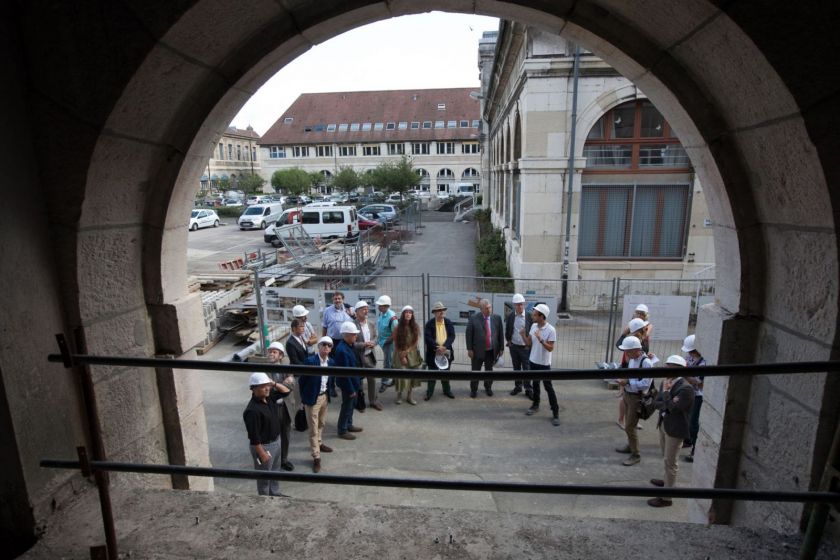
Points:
(164, 524)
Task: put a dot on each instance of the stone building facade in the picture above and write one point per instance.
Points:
(438, 129)
(235, 154)
(637, 208)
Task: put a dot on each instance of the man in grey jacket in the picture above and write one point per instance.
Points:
(363, 348)
(674, 404)
(485, 342)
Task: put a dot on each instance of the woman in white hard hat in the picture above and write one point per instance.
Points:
(693, 358)
(406, 352)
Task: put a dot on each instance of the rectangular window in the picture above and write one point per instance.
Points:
(311, 218)
(476, 123)
(439, 124)
(276, 152)
(230, 151)
(370, 150)
(608, 156)
(239, 152)
(427, 124)
(446, 147)
(396, 148)
(324, 151)
(464, 124)
(348, 150)
(300, 151)
(420, 148)
(470, 148)
(221, 151)
(342, 128)
(624, 120)
(354, 127)
(451, 124)
(402, 125)
(333, 217)
(378, 126)
(288, 120)
(415, 125)
(390, 126)
(653, 123)
(633, 221)
(319, 128)
(516, 206)
(366, 127)
(253, 154)
(331, 127)
(441, 106)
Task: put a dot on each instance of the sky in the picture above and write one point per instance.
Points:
(434, 50)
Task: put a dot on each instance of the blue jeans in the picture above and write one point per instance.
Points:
(345, 414)
(388, 351)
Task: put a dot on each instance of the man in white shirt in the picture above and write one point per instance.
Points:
(541, 339)
(313, 392)
(634, 389)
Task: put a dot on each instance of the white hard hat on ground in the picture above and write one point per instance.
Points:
(630, 343)
(277, 346)
(637, 324)
(441, 361)
(689, 344)
(299, 311)
(258, 378)
(518, 298)
(383, 300)
(543, 309)
(349, 327)
(676, 360)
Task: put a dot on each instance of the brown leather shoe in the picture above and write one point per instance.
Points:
(355, 429)
(316, 466)
(325, 448)
(657, 482)
(346, 435)
(376, 406)
(659, 502)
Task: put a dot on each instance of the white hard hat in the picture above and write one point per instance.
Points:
(326, 339)
(642, 307)
(299, 311)
(543, 309)
(383, 300)
(407, 308)
(518, 298)
(637, 324)
(360, 304)
(441, 361)
(277, 346)
(258, 378)
(349, 327)
(688, 344)
(630, 343)
(676, 360)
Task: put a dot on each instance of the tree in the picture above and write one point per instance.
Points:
(294, 181)
(393, 177)
(346, 180)
(251, 183)
(224, 183)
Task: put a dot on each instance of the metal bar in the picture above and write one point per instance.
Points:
(786, 368)
(481, 486)
(260, 319)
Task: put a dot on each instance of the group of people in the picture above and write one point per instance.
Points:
(348, 339)
(677, 401)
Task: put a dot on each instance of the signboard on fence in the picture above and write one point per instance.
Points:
(669, 314)
(278, 303)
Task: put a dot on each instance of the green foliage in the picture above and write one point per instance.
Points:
(491, 259)
(346, 179)
(294, 181)
(229, 211)
(224, 183)
(251, 183)
(392, 177)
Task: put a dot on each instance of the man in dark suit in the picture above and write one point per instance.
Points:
(485, 342)
(517, 322)
(674, 403)
(297, 352)
(439, 334)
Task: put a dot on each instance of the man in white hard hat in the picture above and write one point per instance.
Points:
(309, 334)
(693, 358)
(439, 335)
(262, 422)
(313, 393)
(349, 385)
(541, 339)
(385, 323)
(276, 353)
(634, 389)
(366, 341)
(674, 403)
(517, 326)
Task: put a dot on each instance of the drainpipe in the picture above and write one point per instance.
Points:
(564, 304)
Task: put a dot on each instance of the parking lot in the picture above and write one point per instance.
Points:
(208, 247)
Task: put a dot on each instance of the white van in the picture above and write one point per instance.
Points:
(326, 222)
(260, 215)
(464, 189)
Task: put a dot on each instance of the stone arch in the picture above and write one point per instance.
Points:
(757, 140)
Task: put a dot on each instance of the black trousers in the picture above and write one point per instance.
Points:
(519, 358)
(476, 363)
(549, 388)
(285, 431)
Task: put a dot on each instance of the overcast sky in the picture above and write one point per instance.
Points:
(432, 50)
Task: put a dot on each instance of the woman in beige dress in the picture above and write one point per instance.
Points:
(406, 352)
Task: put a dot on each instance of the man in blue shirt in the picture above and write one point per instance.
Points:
(350, 386)
(334, 316)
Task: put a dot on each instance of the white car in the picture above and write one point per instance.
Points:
(201, 217)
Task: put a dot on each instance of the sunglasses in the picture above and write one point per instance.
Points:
(326, 344)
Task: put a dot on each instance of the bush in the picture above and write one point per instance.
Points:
(491, 259)
(229, 211)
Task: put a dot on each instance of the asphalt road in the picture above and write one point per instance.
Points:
(208, 247)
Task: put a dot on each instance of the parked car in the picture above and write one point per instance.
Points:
(258, 199)
(232, 202)
(368, 221)
(202, 217)
(394, 197)
(386, 212)
(260, 215)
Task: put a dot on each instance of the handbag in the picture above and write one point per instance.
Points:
(415, 360)
(646, 405)
(361, 405)
(300, 421)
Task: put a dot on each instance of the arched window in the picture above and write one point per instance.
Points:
(469, 174)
